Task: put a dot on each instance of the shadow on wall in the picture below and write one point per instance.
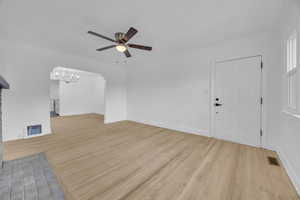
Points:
(75, 92)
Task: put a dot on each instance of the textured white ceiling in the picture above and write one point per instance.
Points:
(167, 25)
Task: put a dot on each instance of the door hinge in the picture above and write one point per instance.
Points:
(261, 65)
(261, 133)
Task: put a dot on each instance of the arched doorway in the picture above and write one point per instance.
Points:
(75, 92)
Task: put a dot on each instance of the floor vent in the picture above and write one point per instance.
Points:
(34, 130)
(273, 161)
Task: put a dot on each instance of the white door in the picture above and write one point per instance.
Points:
(237, 102)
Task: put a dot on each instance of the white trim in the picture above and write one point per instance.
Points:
(26, 137)
(33, 136)
(292, 74)
(291, 114)
(174, 127)
(291, 54)
(295, 179)
(291, 48)
(238, 58)
(212, 99)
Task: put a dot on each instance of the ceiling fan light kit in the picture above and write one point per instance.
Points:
(121, 48)
(121, 39)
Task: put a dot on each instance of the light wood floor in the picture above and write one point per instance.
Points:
(128, 160)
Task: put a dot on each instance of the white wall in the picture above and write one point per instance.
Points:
(84, 96)
(54, 89)
(172, 88)
(27, 69)
(289, 147)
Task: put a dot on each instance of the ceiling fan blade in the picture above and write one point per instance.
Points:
(127, 54)
(102, 36)
(130, 33)
(136, 46)
(108, 47)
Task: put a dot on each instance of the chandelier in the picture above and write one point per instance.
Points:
(64, 74)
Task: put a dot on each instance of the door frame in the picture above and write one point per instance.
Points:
(212, 97)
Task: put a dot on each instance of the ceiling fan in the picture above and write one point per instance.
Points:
(121, 40)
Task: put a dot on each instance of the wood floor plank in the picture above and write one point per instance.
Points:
(108, 163)
(146, 172)
(170, 182)
(133, 161)
(108, 149)
(164, 152)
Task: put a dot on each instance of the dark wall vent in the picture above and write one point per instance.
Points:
(34, 130)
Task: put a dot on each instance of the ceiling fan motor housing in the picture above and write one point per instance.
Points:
(119, 37)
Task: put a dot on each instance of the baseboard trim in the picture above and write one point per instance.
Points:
(295, 179)
(193, 131)
(25, 137)
(33, 136)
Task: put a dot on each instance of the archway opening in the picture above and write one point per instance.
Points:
(75, 93)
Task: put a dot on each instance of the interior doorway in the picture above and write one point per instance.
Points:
(237, 100)
(76, 92)
(54, 98)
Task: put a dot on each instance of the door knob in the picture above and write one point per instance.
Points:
(218, 104)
